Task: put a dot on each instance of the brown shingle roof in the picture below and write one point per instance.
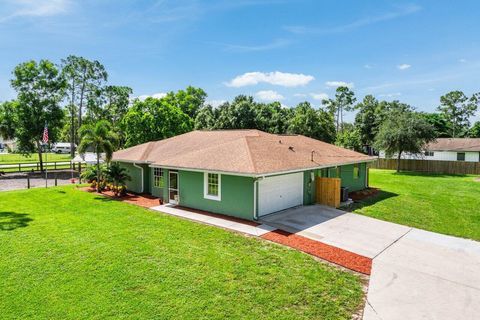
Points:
(240, 151)
(455, 144)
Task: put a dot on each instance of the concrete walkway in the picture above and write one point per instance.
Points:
(254, 230)
(416, 274)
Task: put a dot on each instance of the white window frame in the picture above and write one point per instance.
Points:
(357, 175)
(205, 187)
(162, 175)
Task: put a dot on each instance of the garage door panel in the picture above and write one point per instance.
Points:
(280, 192)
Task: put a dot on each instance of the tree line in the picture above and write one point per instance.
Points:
(75, 94)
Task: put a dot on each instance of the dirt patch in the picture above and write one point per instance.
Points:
(142, 200)
(363, 194)
(477, 179)
(321, 250)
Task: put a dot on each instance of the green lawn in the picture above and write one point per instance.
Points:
(441, 203)
(12, 158)
(83, 256)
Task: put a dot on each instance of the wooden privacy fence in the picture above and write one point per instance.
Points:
(328, 191)
(433, 166)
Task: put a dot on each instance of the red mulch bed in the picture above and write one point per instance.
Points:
(221, 216)
(142, 200)
(363, 194)
(324, 251)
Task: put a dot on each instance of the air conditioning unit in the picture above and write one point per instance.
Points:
(343, 194)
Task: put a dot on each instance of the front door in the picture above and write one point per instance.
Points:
(173, 187)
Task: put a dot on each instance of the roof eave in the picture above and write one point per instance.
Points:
(132, 161)
(262, 174)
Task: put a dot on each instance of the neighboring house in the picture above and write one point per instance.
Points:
(242, 173)
(7, 144)
(447, 149)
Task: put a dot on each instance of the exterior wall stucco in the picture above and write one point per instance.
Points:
(348, 179)
(309, 186)
(346, 174)
(236, 194)
(135, 184)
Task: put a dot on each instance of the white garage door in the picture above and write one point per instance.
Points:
(280, 192)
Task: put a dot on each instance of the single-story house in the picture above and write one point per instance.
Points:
(447, 149)
(5, 144)
(242, 173)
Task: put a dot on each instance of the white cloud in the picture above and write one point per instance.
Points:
(276, 78)
(399, 12)
(215, 103)
(462, 60)
(335, 84)
(403, 66)
(300, 95)
(390, 95)
(269, 95)
(38, 8)
(158, 95)
(319, 96)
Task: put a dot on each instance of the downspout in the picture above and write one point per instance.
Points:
(141, 169)
(255, 192)
(255, 215)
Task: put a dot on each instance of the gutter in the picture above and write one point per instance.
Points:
(141, 169)
(261, 175)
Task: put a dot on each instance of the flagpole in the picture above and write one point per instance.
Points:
(46, 168)
(45, 145)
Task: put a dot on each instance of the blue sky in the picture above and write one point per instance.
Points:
(273, 49)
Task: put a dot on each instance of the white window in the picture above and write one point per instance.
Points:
(158, 180)
(212, 186)
(356, 171)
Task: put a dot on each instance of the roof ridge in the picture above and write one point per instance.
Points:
(147, 149)
(250, 154)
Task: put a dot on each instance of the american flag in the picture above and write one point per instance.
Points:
(45, 134)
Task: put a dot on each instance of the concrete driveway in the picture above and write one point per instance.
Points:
(416, 274)
(365, 236)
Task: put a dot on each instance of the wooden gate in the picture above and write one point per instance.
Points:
(328, 191)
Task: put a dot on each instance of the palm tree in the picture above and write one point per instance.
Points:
(101, 139)
(118, 176)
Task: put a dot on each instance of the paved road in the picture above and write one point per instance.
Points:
(416, 274)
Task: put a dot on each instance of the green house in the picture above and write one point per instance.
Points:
(241, 173)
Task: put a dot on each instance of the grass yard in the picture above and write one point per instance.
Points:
(12, 158)
(69, 254)
(446, 204)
